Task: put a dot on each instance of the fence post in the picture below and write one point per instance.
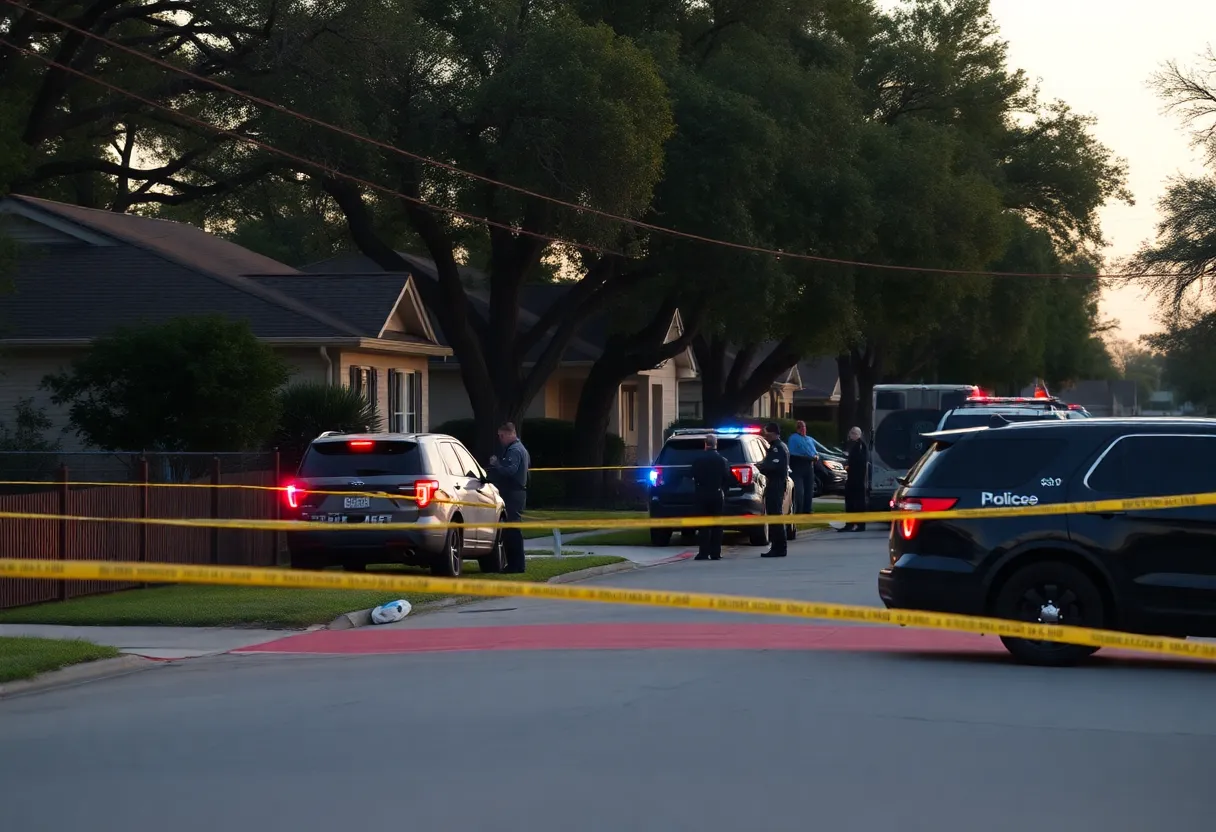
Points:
(275, 540)
(62, 586)
(144, 507)
(215, 509)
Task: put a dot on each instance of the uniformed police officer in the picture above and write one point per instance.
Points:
(510, 473)
(776, 468)
(711, 477)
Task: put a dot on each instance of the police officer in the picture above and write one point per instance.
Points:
(776, 468)
(510, 473)
(711, 477)
(855, 486)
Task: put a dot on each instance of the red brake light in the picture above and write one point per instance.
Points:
(360, 444)
(294, 495)
(909, 526)
(743, 473)
(424, 492)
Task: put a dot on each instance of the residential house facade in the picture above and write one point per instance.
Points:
(79, 273)
(645, 403)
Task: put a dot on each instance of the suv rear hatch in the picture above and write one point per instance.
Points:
(674, 483)
(357, 469)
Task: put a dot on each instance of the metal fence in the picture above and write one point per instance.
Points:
(126, 485)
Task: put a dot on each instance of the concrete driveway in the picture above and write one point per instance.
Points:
(645, 732)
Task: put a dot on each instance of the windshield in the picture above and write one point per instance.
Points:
(684, 451)
(981, 418)
(338, 459)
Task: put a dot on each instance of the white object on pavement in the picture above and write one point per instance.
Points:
(388, 613)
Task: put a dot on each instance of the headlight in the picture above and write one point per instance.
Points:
(834, 465)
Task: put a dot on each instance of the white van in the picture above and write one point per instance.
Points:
(902, 412)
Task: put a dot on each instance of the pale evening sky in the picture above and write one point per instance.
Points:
(1098, 55)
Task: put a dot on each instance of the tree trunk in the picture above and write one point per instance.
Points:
(730, 385)
(846, 413)
(867, 364)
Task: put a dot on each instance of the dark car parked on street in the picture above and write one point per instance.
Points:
(671, 486)
(1150, 571)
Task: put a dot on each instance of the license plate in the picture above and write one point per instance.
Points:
(328, 518)
(378, 518)
(356, 502)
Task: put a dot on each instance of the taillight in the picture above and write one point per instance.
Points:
(294, 495)
(424, 492)
(909, 526)
(361, 444)
(743, 473)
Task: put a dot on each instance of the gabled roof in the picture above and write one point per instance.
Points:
(88, 271)
(820, 379)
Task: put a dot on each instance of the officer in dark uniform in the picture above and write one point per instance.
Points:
(510, 473)
(711, 477)
(776, 469)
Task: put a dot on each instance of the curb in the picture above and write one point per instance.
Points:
(363, 618)
(77, 674)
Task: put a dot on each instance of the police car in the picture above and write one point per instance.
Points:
(977, 411)
(672, 491)
(1140, 571)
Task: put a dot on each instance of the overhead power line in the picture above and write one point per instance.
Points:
(584, 209)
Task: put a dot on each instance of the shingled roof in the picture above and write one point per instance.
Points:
(84, 272)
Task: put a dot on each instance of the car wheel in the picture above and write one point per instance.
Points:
(496, 561)
(660, 537)
(757, 535)
(688, 536)
(450, 561)
(1050, 593)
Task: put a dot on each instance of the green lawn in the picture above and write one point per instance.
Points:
(557, 515)
(246, 606)
(24, 658)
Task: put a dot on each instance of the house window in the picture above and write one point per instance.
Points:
(690, 410)
(363, 382)
(630, 406)
(404, 401)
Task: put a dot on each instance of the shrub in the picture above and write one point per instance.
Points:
(311, 408)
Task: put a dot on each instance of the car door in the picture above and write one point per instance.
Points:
(465, 489)
(1167, 557)
(479, 491)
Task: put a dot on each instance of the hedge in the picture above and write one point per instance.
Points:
(550, 444)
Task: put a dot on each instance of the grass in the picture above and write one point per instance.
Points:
(557, 515)
(24, 658)
(248, 606)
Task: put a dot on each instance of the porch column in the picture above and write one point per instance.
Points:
(645, 418)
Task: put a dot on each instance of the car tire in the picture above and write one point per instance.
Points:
(450, 562)
(1080, 604)
(660, 537)
(688, 536)
(496, 561)
(757, 535)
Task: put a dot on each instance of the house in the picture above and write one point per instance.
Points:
(776, 403)
(80, 272)
(646, 403)
(1103, 398)
(819, 398)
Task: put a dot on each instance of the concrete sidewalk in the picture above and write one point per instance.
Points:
(153, 642)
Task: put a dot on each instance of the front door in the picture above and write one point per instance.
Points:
(1166, 558)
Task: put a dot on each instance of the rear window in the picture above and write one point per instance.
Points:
(683, 451)
(981, 418)
(986, 462)
(383, 458)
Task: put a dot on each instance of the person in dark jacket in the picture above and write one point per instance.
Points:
(776, 469)
(510, 473)
(711, 476)
(857, 464)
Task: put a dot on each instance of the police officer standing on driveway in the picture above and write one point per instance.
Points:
(711, 477)
(803, 456)
(510, 473)
(776, 468)
(857, 465)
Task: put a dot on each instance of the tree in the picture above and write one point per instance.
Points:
(190, 384)
(514, 90)
(1188, 353)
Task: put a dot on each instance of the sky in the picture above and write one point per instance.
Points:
(1098, 55)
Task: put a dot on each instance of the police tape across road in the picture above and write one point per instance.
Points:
(592, 524)
(290, 578)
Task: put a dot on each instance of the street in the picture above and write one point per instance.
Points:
(594, 717)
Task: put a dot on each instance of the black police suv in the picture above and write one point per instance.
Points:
(1139, 571)
(671, 492)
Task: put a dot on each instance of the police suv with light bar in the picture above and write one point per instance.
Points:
(425, 479)
(672, 492)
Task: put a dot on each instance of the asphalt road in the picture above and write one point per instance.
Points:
(622, 739)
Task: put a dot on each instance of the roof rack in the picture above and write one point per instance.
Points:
(326, 433)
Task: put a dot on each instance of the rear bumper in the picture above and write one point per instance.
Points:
(932, 584)
(365, 539)
(740, 506)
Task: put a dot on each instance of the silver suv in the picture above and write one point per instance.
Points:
(426, 479)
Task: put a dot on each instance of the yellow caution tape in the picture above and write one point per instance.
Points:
(393, 584)
(733, 521)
